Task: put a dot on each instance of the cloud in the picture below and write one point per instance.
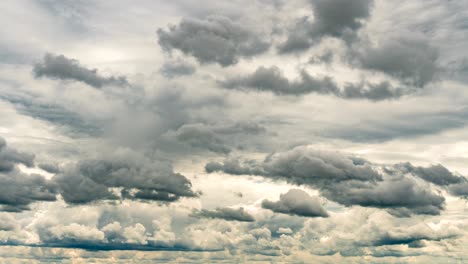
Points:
(413, 61)
(342, 178)
(18, 189)
(49, 167)
(334, 18)
(71, 122)
(8, 222)
(135, 176)
(436, 174)
(226, 213)
(176, 68)
(407, 125)
(218, 138)
(10, 157)
(272, 80)
(216, 39)
(201, 136)
(62, 68)
(296, 202)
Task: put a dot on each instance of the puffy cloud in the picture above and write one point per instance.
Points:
(272, 80)
(436, 174)
(216, 39)
(412, 60)
(226, 213)
(296, 202)
(335, 18)
(342, 178)
(18, 189)
(73, 233)
(10, 157)
(62, 68)
(136, 176)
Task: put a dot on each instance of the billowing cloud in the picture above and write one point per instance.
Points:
(334, 18)
(136, 177)
(296, 202)
(342, 178)
(272, 80)
(18, 189)
(414, 61)
(62, 68)
(10, 157)
(226, 213)
(216, 39)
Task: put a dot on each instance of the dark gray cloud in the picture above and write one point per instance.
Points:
(175, 68)
(272, 80)
(413, 236)
(10, 157)
(62, 68)
(296, 202)
(216, 39)
(136, 178)
(436, 174)
(49, 167)
(413, 61)
(18, 189)
(343, 179)
(402, 196)
(226, 213)
(201, 136)
(456, 185)
(334, 18)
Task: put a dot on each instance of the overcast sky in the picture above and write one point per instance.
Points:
(304, 131)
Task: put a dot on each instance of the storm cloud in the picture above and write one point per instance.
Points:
(341, 178)
(62, 68)
(136, 177)
(273, 80)
(411, 60)
(18, 189)
(216, 39)
(334, 18)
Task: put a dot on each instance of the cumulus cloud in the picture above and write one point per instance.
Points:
(17, 189)
(216, 39)
(436, 174)
(342, 178)
(334, 18)
(296, 202)
(137, 177)
(62, 68)
(10, 157)
(412, 60)
(226, 213)
(272, 80)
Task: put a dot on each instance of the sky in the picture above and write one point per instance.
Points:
(242, 131)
